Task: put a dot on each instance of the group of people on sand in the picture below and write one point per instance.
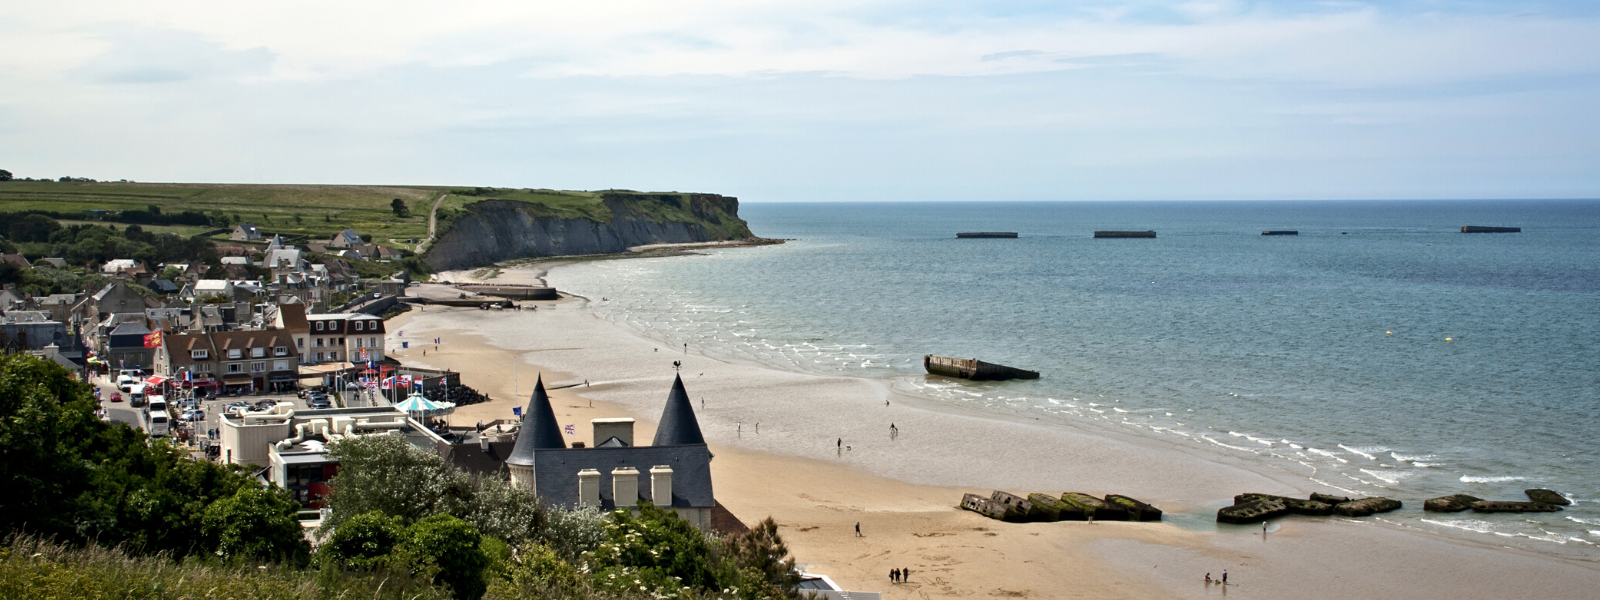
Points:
(1219, 581)
(899, 575)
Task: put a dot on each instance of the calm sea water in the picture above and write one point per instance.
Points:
(1381, 351)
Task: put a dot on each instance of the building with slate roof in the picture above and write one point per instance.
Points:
(674, 470)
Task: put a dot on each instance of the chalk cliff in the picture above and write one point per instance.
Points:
(496, 230)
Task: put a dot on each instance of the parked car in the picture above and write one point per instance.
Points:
(320, 404)
(124, 382)
(193, 415)
(116, 396)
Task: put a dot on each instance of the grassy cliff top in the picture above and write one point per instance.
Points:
(319, 211)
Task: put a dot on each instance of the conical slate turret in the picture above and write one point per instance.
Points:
(539, 428)
(678, 425)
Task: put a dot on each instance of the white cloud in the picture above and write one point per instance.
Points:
(792, 100)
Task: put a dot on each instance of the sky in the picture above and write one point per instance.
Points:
(817, 100)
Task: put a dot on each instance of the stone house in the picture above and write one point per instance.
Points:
(245, 232)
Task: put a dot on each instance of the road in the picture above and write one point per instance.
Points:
(433, 224)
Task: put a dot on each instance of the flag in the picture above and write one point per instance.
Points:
(153, 339)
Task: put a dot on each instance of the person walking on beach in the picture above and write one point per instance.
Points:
(1224, 577)
(858, 529)
(758, 426)
(1208, 578)
(894, 575)
(905, 575)
(740, 425)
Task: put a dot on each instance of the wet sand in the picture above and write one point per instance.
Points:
(904, 491)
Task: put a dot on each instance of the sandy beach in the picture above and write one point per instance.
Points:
(815, 454)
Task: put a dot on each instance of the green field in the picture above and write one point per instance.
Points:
(305, 212)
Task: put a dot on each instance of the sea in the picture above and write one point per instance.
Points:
(1380, 352)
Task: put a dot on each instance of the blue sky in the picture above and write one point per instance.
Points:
(818, 100)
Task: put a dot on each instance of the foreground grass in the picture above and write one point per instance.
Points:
(30, 568)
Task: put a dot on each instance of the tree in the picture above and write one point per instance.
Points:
(762, 551)
(256, 524)
(5, 175)
(399, 207)
(453, 549)
(390, 476)
(44, 416)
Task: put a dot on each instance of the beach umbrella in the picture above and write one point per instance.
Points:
(417, 403)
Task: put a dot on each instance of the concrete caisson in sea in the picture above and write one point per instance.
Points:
(1124, 234)
(987, 234)
(1281, 232)
(974, 369)
(1482, 229)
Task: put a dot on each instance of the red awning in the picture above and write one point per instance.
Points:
(156, 380)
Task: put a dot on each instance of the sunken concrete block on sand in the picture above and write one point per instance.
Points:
(1049, 506)
(1451, 503)
(1366, 506)
(1296, 506)
(1329, 499)
(1024, 509)
(1252, 512)
(1137, 511)
(988, 508)
(1547, 497)
(1090, 506)
(1491, 506)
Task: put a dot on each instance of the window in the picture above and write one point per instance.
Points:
(280, 351)
(281, 365)
(333, 356)
(358, 342)
(319, 342)
(258, 352)
(372, 342)
(319, 357)
(235, 353)
(200, 354)
(235, 367)
(201, 368)
(300, 342)
(258, 367)
(319, 325)
(358, 325)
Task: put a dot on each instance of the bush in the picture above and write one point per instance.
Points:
(452, 550)
(256, 524)
(365, 541)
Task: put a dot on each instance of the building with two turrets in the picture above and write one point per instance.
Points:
(673, 471)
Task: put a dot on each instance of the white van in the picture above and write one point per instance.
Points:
(136, 395)
(125, 381)
(156, 416)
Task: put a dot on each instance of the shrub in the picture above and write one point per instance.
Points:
(365, 541)
(256, 524)
(452, 550)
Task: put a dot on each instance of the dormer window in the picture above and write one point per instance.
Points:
(280, 351)
(200, 354)
(319, 325)
(358, 325)
(258, 352)
(235, 353)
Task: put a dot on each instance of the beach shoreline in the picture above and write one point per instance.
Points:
(904, 491)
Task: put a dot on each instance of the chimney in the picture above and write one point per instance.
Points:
(605, 429)
(625, 486)
(661, 485)
(589, 488)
